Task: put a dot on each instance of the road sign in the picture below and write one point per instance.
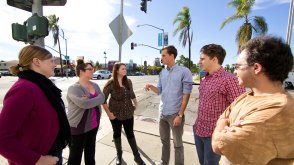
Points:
(159, 39)
(165, 39)
(126, 31)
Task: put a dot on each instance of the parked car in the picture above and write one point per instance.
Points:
(5, 73)
(288, 85)
(139, 74)
(289, 82)
(0, 75)
(102, 74)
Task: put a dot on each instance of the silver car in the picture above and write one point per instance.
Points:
(102, 74)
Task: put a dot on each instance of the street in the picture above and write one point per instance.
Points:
(148, 101)
(145, 127)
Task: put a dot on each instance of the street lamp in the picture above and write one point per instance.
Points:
(105, 59)
(155, 28)
(66, 57)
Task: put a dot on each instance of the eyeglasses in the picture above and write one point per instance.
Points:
(237, 66)
(90, 69)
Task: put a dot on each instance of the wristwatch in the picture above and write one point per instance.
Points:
(180, 115)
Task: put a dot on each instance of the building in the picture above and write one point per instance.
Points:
(5, 65)
(111, 64)
(157, 62)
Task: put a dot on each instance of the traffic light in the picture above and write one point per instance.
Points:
(37, 26)
(19, 32)
(144, 5)
(132, 45)
(33, 28)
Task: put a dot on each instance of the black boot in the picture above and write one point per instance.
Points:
(134, 148)
(117, 143)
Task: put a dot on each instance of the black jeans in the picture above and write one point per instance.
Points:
(84, 142)
(128, 127)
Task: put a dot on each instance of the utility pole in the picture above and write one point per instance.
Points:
(37, 7)
(105, 59)
(66, 57)
(290, 24)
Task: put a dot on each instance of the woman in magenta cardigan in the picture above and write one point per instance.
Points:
(33, 125)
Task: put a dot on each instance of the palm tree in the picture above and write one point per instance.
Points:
(54, 28)
(184, 21)
(98, 65)
(254, 24)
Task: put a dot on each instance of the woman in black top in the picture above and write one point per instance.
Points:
(120, 109)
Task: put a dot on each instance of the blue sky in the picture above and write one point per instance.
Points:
(86, 27)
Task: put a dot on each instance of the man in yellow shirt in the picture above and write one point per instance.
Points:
(258, 127)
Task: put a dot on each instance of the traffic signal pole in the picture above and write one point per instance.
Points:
(37, 7)
(35, 28)
(148, 46)
(135, 45)
(155, 28)
(66, 57)
(120, 30)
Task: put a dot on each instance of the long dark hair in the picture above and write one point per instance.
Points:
(114, 78)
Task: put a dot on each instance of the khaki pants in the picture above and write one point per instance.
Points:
(165, 125)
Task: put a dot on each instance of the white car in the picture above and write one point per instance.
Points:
(102, 74)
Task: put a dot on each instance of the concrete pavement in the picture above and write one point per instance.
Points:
(148, 141)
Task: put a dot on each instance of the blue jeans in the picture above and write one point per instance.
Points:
(205, 153)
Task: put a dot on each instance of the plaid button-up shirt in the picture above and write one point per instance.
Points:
(216, 92)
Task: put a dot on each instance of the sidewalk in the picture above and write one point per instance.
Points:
(147, 136)
(148, 141)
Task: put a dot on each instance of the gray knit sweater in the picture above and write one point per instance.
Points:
(77, 105)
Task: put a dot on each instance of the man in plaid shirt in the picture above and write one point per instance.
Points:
(217, 91)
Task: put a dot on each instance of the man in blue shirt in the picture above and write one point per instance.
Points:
(174, 86)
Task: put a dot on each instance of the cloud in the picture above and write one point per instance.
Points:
(85, 25)
(86, 30)
(262, 4)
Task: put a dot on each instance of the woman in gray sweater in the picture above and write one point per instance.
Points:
(84, 111)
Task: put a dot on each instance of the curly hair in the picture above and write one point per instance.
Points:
(214, 50)
(272, 53)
